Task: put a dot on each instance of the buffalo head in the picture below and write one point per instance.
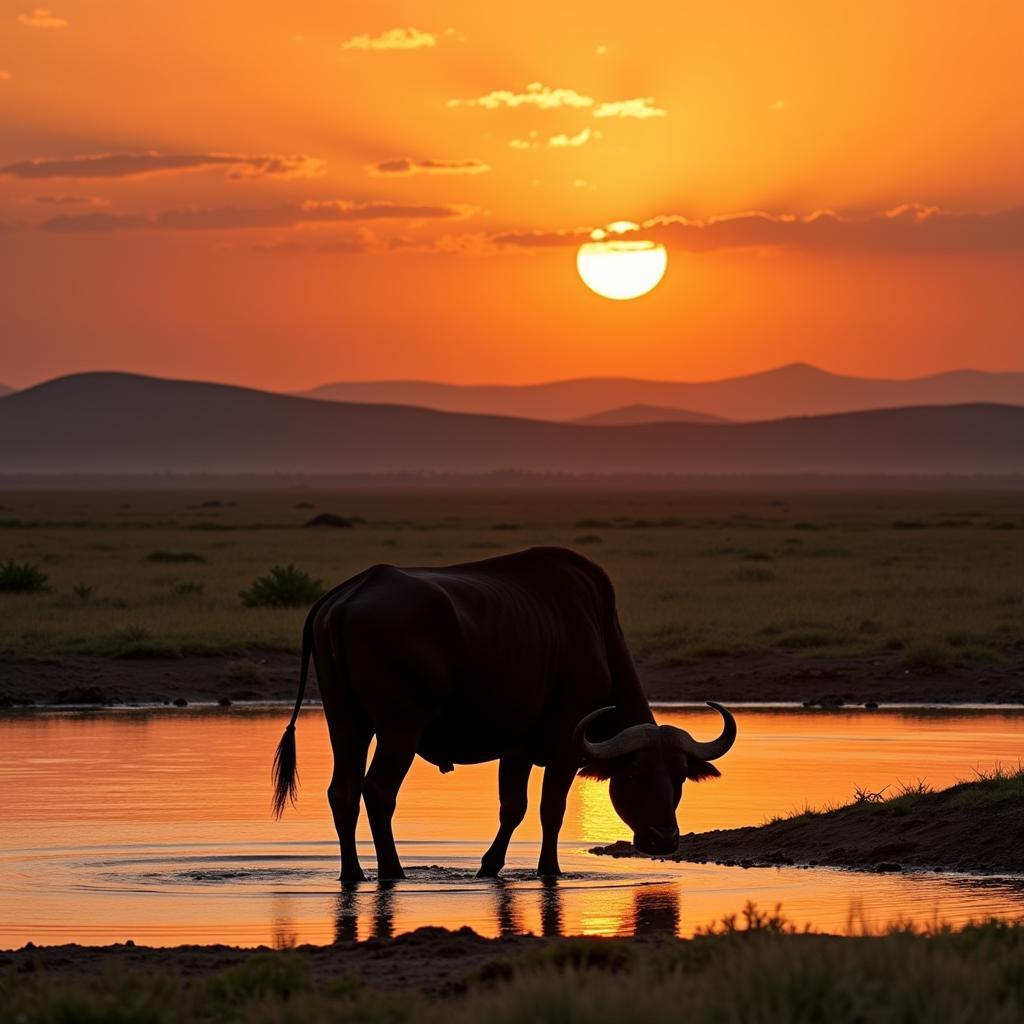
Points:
(646, 766)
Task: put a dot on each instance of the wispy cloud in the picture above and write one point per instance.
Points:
(94, 223)
(911, 227)
(533, 140)
(137, 165)
(71, 201)
(404, 166)
(287, 215)
(581, 138)
(393, 39)
(41, 17)
(535, 95)
(640, 108)
(544, 97)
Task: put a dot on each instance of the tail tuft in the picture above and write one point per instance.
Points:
(285, 772)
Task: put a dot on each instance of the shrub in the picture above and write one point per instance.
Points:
(174, 556)
(284, 587)
(21, 578)
(82, 592)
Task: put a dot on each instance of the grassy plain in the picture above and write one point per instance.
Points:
(756, 969)
(936, 577)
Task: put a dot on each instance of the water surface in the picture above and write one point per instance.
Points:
(155, 826)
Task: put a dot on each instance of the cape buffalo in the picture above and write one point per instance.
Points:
(509, 659)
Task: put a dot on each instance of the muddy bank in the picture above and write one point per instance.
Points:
(432, 960)
(973, 827)
(272, 675)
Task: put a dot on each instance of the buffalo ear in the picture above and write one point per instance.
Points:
(600, 770)
(698, 771)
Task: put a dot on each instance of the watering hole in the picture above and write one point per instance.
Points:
(154, 825)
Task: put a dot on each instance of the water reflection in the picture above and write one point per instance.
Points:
(656, 911)
(106, 834)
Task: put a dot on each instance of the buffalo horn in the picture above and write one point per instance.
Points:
(625, 742)
(682, 740)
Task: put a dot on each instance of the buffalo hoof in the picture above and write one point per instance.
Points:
(352, 876)
(489, 870)
(549, 872)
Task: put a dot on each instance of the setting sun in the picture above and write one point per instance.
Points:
(621, 268)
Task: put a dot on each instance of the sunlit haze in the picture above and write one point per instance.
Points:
(282, 195)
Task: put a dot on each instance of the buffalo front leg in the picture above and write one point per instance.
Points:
(391, 761)
(513, 779)
(554, 792)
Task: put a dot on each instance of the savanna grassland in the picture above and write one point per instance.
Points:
(930, 582)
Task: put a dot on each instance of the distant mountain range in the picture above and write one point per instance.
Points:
(794, 390)
(125, 424)
(5, 390)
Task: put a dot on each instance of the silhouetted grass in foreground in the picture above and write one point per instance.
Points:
(756, 969)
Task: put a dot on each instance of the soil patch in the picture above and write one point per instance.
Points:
(975, 827)
(273, 675)
(433, 960)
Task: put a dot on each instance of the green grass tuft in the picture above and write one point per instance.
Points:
(21, 578)
(284, 587)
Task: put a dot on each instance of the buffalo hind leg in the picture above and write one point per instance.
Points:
(513, 778)
(349, 744)
(554, 792)
(391, 761)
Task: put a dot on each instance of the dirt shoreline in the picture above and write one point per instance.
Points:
(272, 675)
(431, 960)
(972, 827)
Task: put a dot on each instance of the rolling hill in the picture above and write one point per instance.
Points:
(121, 423)
(629, 414)
(5, 390)
(794, 390)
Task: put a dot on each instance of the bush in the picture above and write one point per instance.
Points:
(174, 556)
(82, 591)
(284, 587)
(21, 578)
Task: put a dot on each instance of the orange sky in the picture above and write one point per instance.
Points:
(281, 195)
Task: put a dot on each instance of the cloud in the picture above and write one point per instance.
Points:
(563, 141)
(536, 95)
(546, 98)
(71, 201)
(5, 76)
(579, 139)
(911, 227)
(42, 18)
(542, 239)
(393, 39)
(136, 165)
(641, 108)
(348, 244)
(311, 212)
(403, 166)
(94, 223)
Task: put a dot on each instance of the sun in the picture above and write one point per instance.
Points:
(621, 268)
